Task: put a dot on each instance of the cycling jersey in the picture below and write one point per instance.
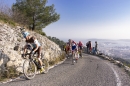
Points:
(73, 45)
(80, 45)
(36, 42)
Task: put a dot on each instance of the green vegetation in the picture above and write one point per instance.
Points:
(56, 60)
(6, 19)
(10, 72)
(125, 62)
(32, 14)
(36, 13)
(57, 41)
(40, 32)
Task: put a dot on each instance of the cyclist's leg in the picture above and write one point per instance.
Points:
(72, 53)
(23, 54)
(39, 53)
(67, 53)
(72, 57)
(25, 49)
(40, 61)
(76, 54)
(81, 51)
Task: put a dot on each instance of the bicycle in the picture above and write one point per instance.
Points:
(31, 65)
(80, 53)
(74, 56)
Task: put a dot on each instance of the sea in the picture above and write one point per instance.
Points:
(114, 48)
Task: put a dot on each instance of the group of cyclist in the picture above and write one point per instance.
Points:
(72, 47)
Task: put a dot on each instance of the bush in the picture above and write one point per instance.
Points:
(40, 32)
(57, 60)
(57, 41)
(10, 72)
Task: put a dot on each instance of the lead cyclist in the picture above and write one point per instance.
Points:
(80, 47)
(36, 47)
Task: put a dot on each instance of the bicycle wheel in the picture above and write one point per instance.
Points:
(73, 56)
(45, 65)
(81, 53)
(29, 69)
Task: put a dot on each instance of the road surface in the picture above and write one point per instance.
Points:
(89, 71)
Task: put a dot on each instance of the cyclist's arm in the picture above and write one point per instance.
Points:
(25, 47)
(35, 48)
(36, 43)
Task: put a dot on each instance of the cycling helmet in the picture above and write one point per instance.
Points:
(73, 42)
(25, 34)
(69, 40)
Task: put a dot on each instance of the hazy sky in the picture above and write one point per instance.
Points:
(83, 19)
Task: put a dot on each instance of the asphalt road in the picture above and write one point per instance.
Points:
(89, 71)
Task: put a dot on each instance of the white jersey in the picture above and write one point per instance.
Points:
(36, 42)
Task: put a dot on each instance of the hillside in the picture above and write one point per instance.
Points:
(12, 42)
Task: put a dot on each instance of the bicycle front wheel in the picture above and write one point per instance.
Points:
(81, 53)
(29, 69)
(73, 56)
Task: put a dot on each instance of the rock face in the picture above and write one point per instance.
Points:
(12, 42)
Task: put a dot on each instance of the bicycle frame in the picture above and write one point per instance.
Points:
(74, 56)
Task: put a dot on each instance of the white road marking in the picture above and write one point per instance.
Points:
(116, 75)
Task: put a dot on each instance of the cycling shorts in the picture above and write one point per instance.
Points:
(80, 47)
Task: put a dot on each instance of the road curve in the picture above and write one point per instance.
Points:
(89, 71)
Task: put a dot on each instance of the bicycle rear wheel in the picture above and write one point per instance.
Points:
(73, 58)
(81, 53)
(29, 69)
(45, 65)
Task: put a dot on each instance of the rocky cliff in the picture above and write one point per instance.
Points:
(12, 42)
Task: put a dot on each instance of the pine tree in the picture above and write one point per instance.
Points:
(36, 11)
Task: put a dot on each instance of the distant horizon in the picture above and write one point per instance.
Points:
(93, 39)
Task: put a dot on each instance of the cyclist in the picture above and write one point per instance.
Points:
(67, 48)
(36, 47)
(80, 46)
(95, 47)
(73, 46)
(77, 51)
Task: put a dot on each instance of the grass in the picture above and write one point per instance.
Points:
(128, 73)
(10, 72)
(6, 19)
(57, 60)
